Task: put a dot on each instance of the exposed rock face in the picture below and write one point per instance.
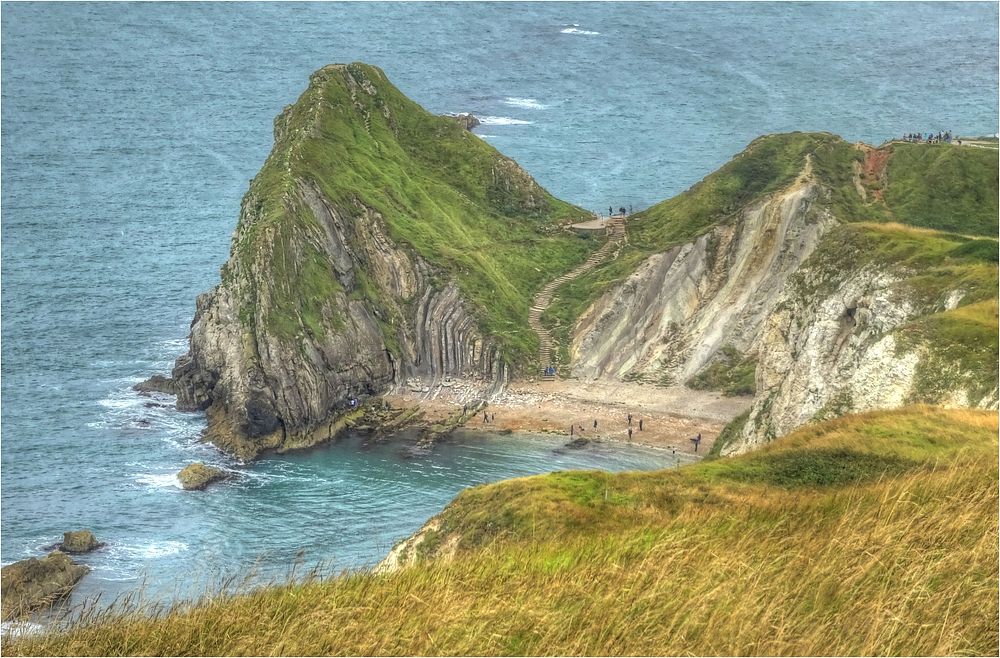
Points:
(830, 314)
(156, 384)
(197, 476)
(79, 541)
(34, 583)
(407, 552)
(263, 391)
(833, 346)
(467, 121)
(318, 305)
(670, 317)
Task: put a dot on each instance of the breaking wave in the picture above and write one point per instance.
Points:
(526, 103)
(575, 29)
(502, 121)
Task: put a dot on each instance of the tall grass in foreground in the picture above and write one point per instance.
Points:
(898, 563)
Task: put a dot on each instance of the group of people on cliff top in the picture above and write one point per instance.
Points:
(928, 138)
(622, 211)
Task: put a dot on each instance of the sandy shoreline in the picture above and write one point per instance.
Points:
(670, 415)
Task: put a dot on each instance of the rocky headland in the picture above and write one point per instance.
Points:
(811, 276)
(334, 293)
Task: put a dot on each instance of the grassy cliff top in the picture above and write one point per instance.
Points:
(444, 193)
(870, 534)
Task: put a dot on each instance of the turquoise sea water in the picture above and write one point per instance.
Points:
(129, 132)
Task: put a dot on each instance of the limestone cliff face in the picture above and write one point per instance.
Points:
(266, 390)
(668, 319)
(841, 340)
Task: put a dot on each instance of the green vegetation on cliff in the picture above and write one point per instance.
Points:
(442, 192)
(961, 347)
(944, 187)
(729, 372)
(872, 534)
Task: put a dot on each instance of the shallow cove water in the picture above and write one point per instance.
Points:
(130, 132)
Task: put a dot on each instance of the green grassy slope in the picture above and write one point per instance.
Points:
(870, 534)
(944, 187)
(442, 191)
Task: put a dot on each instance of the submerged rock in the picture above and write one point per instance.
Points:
(79, 541)
(197, 476)
(156, 384)
(33, 584)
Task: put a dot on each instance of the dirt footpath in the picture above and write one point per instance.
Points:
(670, 416)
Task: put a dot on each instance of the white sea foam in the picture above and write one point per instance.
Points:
(155, 550)
(575, 30)
(160, 480)
(526, 103)
(118, 577)
(121, 402)
(502, 121)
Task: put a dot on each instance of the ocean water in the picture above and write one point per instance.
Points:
(130, 131)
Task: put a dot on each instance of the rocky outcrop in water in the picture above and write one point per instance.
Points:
(467, 121)
(79, 541)
(197, 476)
(264, 391)
(34, 584)
(156, 384)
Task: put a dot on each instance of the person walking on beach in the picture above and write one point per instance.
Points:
(484, 418)
(630, 420)
(630, 434)
(595, 423)
(493, 417)
(640, 424)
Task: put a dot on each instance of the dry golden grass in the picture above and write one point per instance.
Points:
(698, 561)
(897, 227)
